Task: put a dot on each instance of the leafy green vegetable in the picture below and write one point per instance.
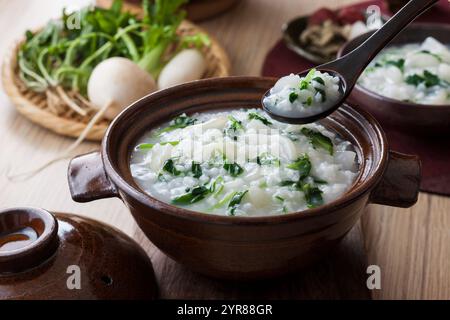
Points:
(293, 96)
(313, 195)
(196, 169)
(309, 101)
(267, 159)
(302, 165)
(256, 116)
(235, 201)
(65, 52)
(179, 122)
(318, 140)
(432, 54)
(319, 80)
(323, 95)
(428, 78)
(169, 166)
(233, 127)
(400, 63)
(233, 169)
(193, 195)
(279, 198)
(224, 200)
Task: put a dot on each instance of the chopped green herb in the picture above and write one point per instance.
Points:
(233, 126)
(318, 140)
(235, 201)
(224, 200)
(267, 159)
(313, 195)
(279, 198)
(169, 166)
(196, 169)
(233, 169)
(179, 122)
(292, 97)
(400, 63)
(256, 116)
(148, 146)
(308, 101)
(319, 80)
(323, 95)
(319, 181)
(428, 78)
(302, 165)
(194, 195)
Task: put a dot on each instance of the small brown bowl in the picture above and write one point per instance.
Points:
(241, 247)
(412, 118)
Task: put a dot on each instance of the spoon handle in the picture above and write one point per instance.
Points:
(352, 64)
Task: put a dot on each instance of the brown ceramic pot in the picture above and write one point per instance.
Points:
(40, 253)
(241, 247)
(412, 118)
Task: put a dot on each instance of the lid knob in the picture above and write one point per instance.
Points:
(28, 237)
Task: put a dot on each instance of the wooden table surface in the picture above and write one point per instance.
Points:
(411, 246)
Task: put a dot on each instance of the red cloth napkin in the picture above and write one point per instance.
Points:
(434, 153)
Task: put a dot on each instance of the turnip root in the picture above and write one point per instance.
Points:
(187, 65)
(118, 82)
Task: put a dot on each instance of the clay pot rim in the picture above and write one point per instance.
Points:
(390, 101)
(48, 235)
(130, 190)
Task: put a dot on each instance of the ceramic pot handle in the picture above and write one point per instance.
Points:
(400, 184)
(88, 180)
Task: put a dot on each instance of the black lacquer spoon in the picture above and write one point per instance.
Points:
(349, 67)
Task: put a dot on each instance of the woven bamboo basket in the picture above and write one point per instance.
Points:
(38, 107)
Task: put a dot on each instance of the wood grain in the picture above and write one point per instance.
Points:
(410, 245)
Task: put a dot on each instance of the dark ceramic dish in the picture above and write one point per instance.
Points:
(409, 117)
(241, 247)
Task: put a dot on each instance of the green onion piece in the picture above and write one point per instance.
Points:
(196, 194)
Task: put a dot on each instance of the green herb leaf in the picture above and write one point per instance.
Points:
(179, 122)
(318, 140)
(319, 80)
(323, 95)
(233, 169)
(196, 169)
(400, 63)
(302, 165)
(313, 195)
(428, 78)
(308, 101)
(304, 84)
(292, 97)
(169, 166)
(267, 159)
(194, 195)
(256, 116)
(235, 201)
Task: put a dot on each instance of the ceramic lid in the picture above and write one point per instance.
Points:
(61, 256)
